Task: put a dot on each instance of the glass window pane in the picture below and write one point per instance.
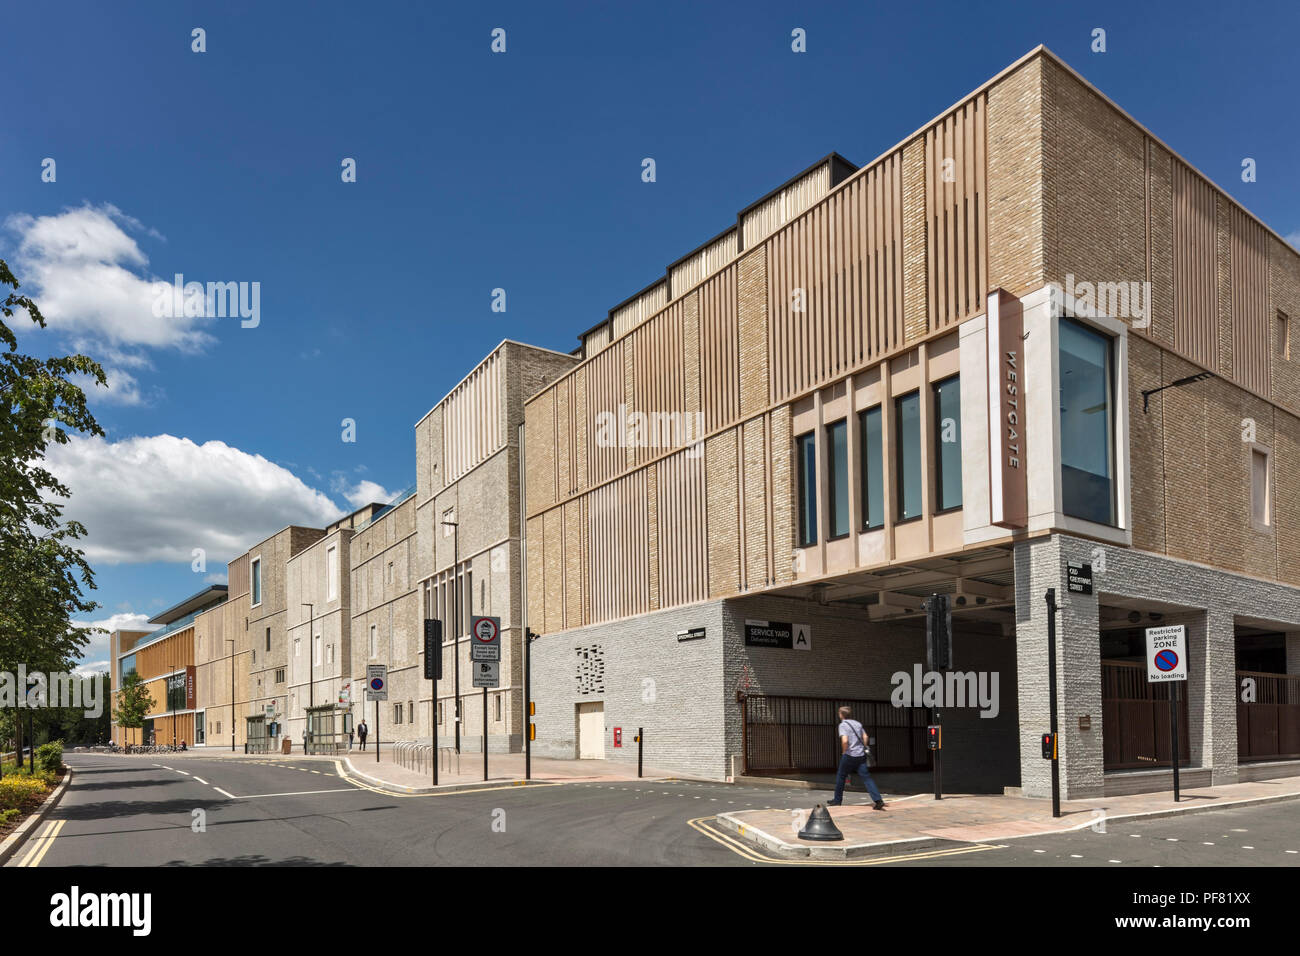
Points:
(873, 469)
(1087, 445)
(907, 412)
(947, 437)
(807, 454)
(837, 476)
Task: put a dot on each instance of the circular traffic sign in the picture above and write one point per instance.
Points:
(1166, 660)
(486, 630)
(376, 683)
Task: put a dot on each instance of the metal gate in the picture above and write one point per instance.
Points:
(1268, 728)
(797, 734)
(1135, 718)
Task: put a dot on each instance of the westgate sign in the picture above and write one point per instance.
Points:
(1007, 482)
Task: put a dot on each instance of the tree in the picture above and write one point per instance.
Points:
(133, 701)
(43, 571)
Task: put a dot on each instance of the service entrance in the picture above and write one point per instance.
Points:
(1268, 699)
(591, 731)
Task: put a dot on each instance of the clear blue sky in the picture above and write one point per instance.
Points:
(475, 171)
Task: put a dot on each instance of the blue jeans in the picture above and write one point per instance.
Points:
(848, 767)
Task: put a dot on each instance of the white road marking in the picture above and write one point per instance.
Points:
(182, 772)
(1112, 861)
(295, 793)
(1244, 847)
(201, 780)
(224, 794)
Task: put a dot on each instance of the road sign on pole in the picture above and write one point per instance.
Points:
(377, 682)
(486, 640)
(1167, 661)
(487, 674)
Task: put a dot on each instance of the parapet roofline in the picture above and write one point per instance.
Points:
(209, 595)
(497, 348)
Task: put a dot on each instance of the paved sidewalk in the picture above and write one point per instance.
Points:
(918, 822)
(503, 770)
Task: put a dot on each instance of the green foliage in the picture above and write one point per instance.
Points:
(49, 757)
(8, 816)
(42, 569)
(133, 701)
(22, 791)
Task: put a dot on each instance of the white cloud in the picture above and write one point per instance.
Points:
(216, 577)
(89, 278)
(363, 493)
(122, 388)
(157, 498)
(1294, 239)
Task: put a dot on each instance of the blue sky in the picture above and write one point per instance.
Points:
(475, 171)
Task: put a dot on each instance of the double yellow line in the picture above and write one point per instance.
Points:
(41, 845)
(702, 825)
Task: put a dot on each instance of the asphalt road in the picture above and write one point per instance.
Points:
(186, 810)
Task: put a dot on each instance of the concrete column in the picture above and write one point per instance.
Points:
(1039, 565)
(1218, 692)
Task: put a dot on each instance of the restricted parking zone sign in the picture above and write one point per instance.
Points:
(1166, 653)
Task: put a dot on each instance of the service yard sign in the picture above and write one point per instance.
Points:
(1166, 653)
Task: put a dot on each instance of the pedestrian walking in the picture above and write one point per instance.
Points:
(362, 732)
(854, 759)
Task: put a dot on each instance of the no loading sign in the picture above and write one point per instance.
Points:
(1166, 653)
(486, 645)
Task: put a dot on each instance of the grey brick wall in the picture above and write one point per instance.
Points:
(1207, 600)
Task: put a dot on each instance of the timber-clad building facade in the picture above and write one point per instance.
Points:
(1029, 347)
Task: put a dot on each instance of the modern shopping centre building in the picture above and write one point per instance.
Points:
(1026, 348)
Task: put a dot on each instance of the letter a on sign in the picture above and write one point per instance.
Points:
(802, 637)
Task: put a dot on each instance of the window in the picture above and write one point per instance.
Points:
(873, 468)
(397, 713)
(440, 714)
(947, 443)
(1260, 488)
(255, 655)
(837, 477)
(125, 666)
(1283, 336)
(373, 640)
(255, 581)
(389, 579)
(1087, 414)
(497, 698)
(218, 726)
(315, 657)
(279, 675)
(410, 711)
(806, 450)
(332, 572)
(268, 640)
(297, 647)
(907, 444)
(329, 654)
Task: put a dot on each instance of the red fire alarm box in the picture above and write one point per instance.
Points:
(618, 736)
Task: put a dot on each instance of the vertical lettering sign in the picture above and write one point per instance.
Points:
(189, 687)
(1007, 483)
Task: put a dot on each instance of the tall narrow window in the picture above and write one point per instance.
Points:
(332, 572)
(907, 452)
(373, 640)
(806, 450)
(873, 468)
(1087, 424)
(1283, 336)
(255, 581)
(315, 658)
(837, 477)
(947, 443)
(1260, 510)
(268, 640)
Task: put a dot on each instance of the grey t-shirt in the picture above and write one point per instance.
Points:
(853, 730)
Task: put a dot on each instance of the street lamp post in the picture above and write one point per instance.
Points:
(231, 642)
(311, 667)
(455, 619)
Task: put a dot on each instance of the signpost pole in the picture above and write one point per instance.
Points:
(485, 759)
(1173, 732)
(1051, 694)
(376, 730)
